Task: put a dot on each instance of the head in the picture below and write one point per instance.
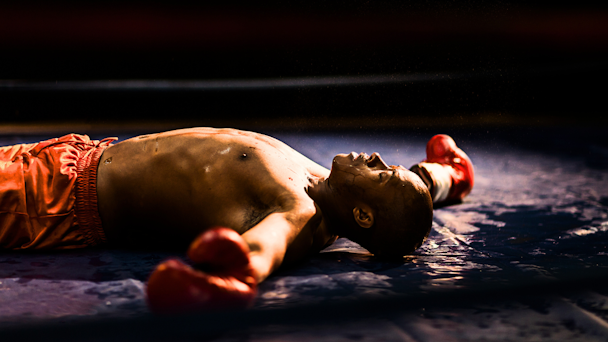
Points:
(386, 209)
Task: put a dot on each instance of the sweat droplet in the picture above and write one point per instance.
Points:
(108, 161)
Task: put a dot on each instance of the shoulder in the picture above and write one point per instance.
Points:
(298, 209)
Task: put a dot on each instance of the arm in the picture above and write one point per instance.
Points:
(277, 236)
(234, 265)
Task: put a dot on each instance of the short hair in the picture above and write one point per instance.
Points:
(404, 223)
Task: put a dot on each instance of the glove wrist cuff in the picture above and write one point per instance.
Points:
(440, 180)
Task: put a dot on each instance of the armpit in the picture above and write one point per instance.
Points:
(257, 211)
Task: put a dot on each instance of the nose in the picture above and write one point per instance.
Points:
(376, 162)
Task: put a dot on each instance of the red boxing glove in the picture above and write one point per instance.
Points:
(447, 170)
(175, 287)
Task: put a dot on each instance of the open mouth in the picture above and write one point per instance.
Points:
(358, 156)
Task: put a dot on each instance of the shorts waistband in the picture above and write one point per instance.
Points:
(87, 212)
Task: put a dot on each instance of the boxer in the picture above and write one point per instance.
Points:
(241, 203)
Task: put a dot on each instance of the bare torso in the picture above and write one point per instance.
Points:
(165, 189)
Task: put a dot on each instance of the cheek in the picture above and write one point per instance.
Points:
(343, 183)
(347, 186)
(364, 184)
(341, 175)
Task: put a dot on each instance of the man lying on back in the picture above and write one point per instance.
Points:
(244, 203)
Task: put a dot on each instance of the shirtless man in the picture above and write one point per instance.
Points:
(185, 186)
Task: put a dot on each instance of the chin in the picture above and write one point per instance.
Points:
(344, 158)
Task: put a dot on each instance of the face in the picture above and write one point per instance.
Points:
(396, 197)
(362, 175)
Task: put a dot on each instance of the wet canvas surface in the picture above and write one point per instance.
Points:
(538, 214)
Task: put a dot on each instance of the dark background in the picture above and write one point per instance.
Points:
(469, 62)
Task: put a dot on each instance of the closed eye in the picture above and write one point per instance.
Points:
(382, 176)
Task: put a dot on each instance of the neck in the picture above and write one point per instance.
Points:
(324, 197)
(331, 208)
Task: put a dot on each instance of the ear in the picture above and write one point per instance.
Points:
(364, 216)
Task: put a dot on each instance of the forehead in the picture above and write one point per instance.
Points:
(403, 176)
(399, 172)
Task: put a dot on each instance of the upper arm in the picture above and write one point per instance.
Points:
(270, 239)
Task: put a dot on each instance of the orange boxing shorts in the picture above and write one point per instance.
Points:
(48, 194)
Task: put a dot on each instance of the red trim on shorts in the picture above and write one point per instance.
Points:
(86, 210)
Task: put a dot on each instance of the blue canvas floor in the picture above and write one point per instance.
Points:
(524, 257)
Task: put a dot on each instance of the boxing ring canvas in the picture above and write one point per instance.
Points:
(524, 257)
